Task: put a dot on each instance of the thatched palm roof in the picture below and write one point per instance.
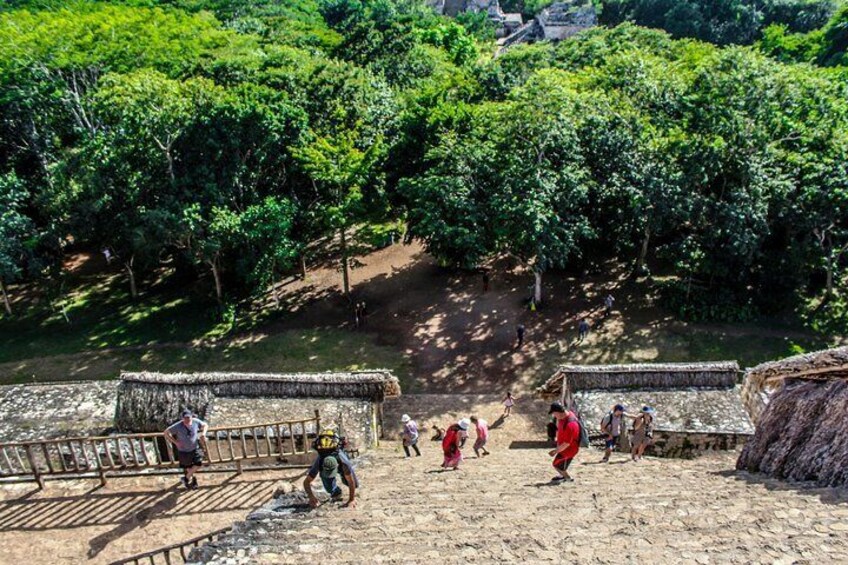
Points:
(716, 374)
(819, 365)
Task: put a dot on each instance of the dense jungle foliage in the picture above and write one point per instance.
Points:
(224, 136)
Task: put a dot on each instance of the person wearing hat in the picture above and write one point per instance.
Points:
(410, 435)
(567, 440)
(332, 467)
(612, 425)
(455, 437)
(186, 435)
(643, 432)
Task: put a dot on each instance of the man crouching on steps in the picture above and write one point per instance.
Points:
(567, 440)
(332, 463)
(187, 436)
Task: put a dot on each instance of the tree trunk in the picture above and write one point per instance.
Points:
(537, 289)
(274, 293)
(219, 293)
(829, 278)
(6, 302)
(643, 252)
(128, 266)
(345, 264)
(303, 266)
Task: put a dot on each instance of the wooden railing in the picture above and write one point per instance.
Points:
(171, 553)
(71, 457)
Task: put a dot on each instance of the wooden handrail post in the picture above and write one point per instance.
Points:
(238, 467)
(35, 470)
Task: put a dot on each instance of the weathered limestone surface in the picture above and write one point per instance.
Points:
(30, 412)
(695, 410)
(502, 509)
(356, 416)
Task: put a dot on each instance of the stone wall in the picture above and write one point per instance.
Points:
(688, 444)
(29, 412)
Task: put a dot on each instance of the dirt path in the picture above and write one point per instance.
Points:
(76, 522)
(502, 508)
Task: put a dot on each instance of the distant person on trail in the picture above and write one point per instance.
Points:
(108, 254)
(612, 425)
(519, 334)
(363, 313)
(608, 302)
(331, 464)
(482, 427)
(643, 432)
(508, 402)
(552, 429)
(410, 435)
(438, 433)
(187, 435)
(582, 330)
(455, 437)
(567, 440)
(485, 281)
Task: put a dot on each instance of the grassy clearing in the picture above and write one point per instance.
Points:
(289, 351)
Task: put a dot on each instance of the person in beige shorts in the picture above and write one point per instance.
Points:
(643, 432)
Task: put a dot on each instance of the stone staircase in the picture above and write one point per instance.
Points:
(503, 508)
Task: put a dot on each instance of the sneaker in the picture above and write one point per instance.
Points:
(193, 485)
(558, 479)
(185, 482)
(336, 497)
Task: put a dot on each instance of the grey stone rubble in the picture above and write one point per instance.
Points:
(48, 411)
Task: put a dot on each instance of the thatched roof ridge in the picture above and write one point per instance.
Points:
(351, 377)
(714, 374)
(818, 365)
(703, 367)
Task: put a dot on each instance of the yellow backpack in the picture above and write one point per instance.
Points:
(326, 442)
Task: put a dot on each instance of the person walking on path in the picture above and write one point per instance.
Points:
(331, 465)
(187, 435)
(519, 334)
(482, 427)
(643, 432)
(612, 424)
(567, 439)
(582, 330)
(455, 437)
(608, 302)
(508, 402)
(485, 281)
(410, 435)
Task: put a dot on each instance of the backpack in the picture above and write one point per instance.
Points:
(327, 442)
(606, 421)
(449, 443)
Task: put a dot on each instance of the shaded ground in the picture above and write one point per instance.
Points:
(435, 328)
(76, 522)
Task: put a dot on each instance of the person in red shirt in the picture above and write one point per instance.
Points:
(567, 440)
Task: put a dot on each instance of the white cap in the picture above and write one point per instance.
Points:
(405, 418)
(464, 423)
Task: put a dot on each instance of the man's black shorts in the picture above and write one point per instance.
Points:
(562, 464)
(190, 458)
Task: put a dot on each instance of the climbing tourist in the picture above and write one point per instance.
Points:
(508, 402)
(455, 437)
(187, 435)
(331, 464)
(519, 334)
(608, 302)
(482, 436)
(567, 440)
(643, 432)
(611, 425)
(485, 281)
(410, 435)
(582, 330)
